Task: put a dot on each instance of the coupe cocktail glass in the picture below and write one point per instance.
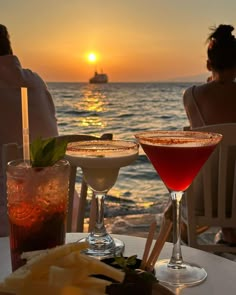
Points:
(101, 161)
(177, 157)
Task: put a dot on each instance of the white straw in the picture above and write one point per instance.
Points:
(25, 125)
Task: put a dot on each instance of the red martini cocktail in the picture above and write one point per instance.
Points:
(177, 157)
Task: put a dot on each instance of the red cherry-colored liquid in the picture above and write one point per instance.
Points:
(177, 165)
(37, 231)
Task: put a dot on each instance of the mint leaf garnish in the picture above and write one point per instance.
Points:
(125, 263)
(46, 152)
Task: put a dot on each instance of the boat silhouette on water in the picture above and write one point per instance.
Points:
(99, 78)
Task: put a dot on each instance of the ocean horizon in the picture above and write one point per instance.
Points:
(192, 80)
(197, 78)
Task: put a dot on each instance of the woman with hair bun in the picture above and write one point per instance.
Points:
(214, 102)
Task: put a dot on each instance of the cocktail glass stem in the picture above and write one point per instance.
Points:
(101, 243)
(176, 258)
(99, 228)
(176, 271)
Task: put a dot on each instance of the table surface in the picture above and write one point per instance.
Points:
(221, 272)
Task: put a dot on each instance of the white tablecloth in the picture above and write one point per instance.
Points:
(221, 278)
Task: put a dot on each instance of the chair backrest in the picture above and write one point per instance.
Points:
(77, 203)
(211, 199)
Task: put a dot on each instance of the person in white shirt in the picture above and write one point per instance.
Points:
(42, 114)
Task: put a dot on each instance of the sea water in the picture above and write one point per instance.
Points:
(123, 109)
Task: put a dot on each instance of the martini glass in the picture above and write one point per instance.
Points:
(177, 157)
(101, 161)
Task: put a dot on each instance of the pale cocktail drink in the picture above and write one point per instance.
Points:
(37, 207)
(101, 161)
(177, 157)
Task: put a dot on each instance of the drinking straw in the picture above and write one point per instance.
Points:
(25, 125)
(148, 244)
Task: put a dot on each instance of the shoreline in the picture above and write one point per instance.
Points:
(132, 225)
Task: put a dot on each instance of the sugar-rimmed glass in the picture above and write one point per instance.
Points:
(177, 157)
(100, 161)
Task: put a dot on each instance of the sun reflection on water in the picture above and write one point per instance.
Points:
(93, 103)
(93, 121)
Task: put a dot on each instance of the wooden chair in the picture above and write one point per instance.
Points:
(76, 204)
(211, 199)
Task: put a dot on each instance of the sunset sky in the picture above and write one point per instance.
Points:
(134, 40)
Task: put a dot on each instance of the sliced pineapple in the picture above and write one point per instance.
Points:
(60, 271)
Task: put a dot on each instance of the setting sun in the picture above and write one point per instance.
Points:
(83, 37)
(92, 57)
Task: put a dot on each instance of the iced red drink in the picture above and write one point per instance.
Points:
(37, 207)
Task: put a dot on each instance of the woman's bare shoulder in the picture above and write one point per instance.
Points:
(188, 94)
(215, 90)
